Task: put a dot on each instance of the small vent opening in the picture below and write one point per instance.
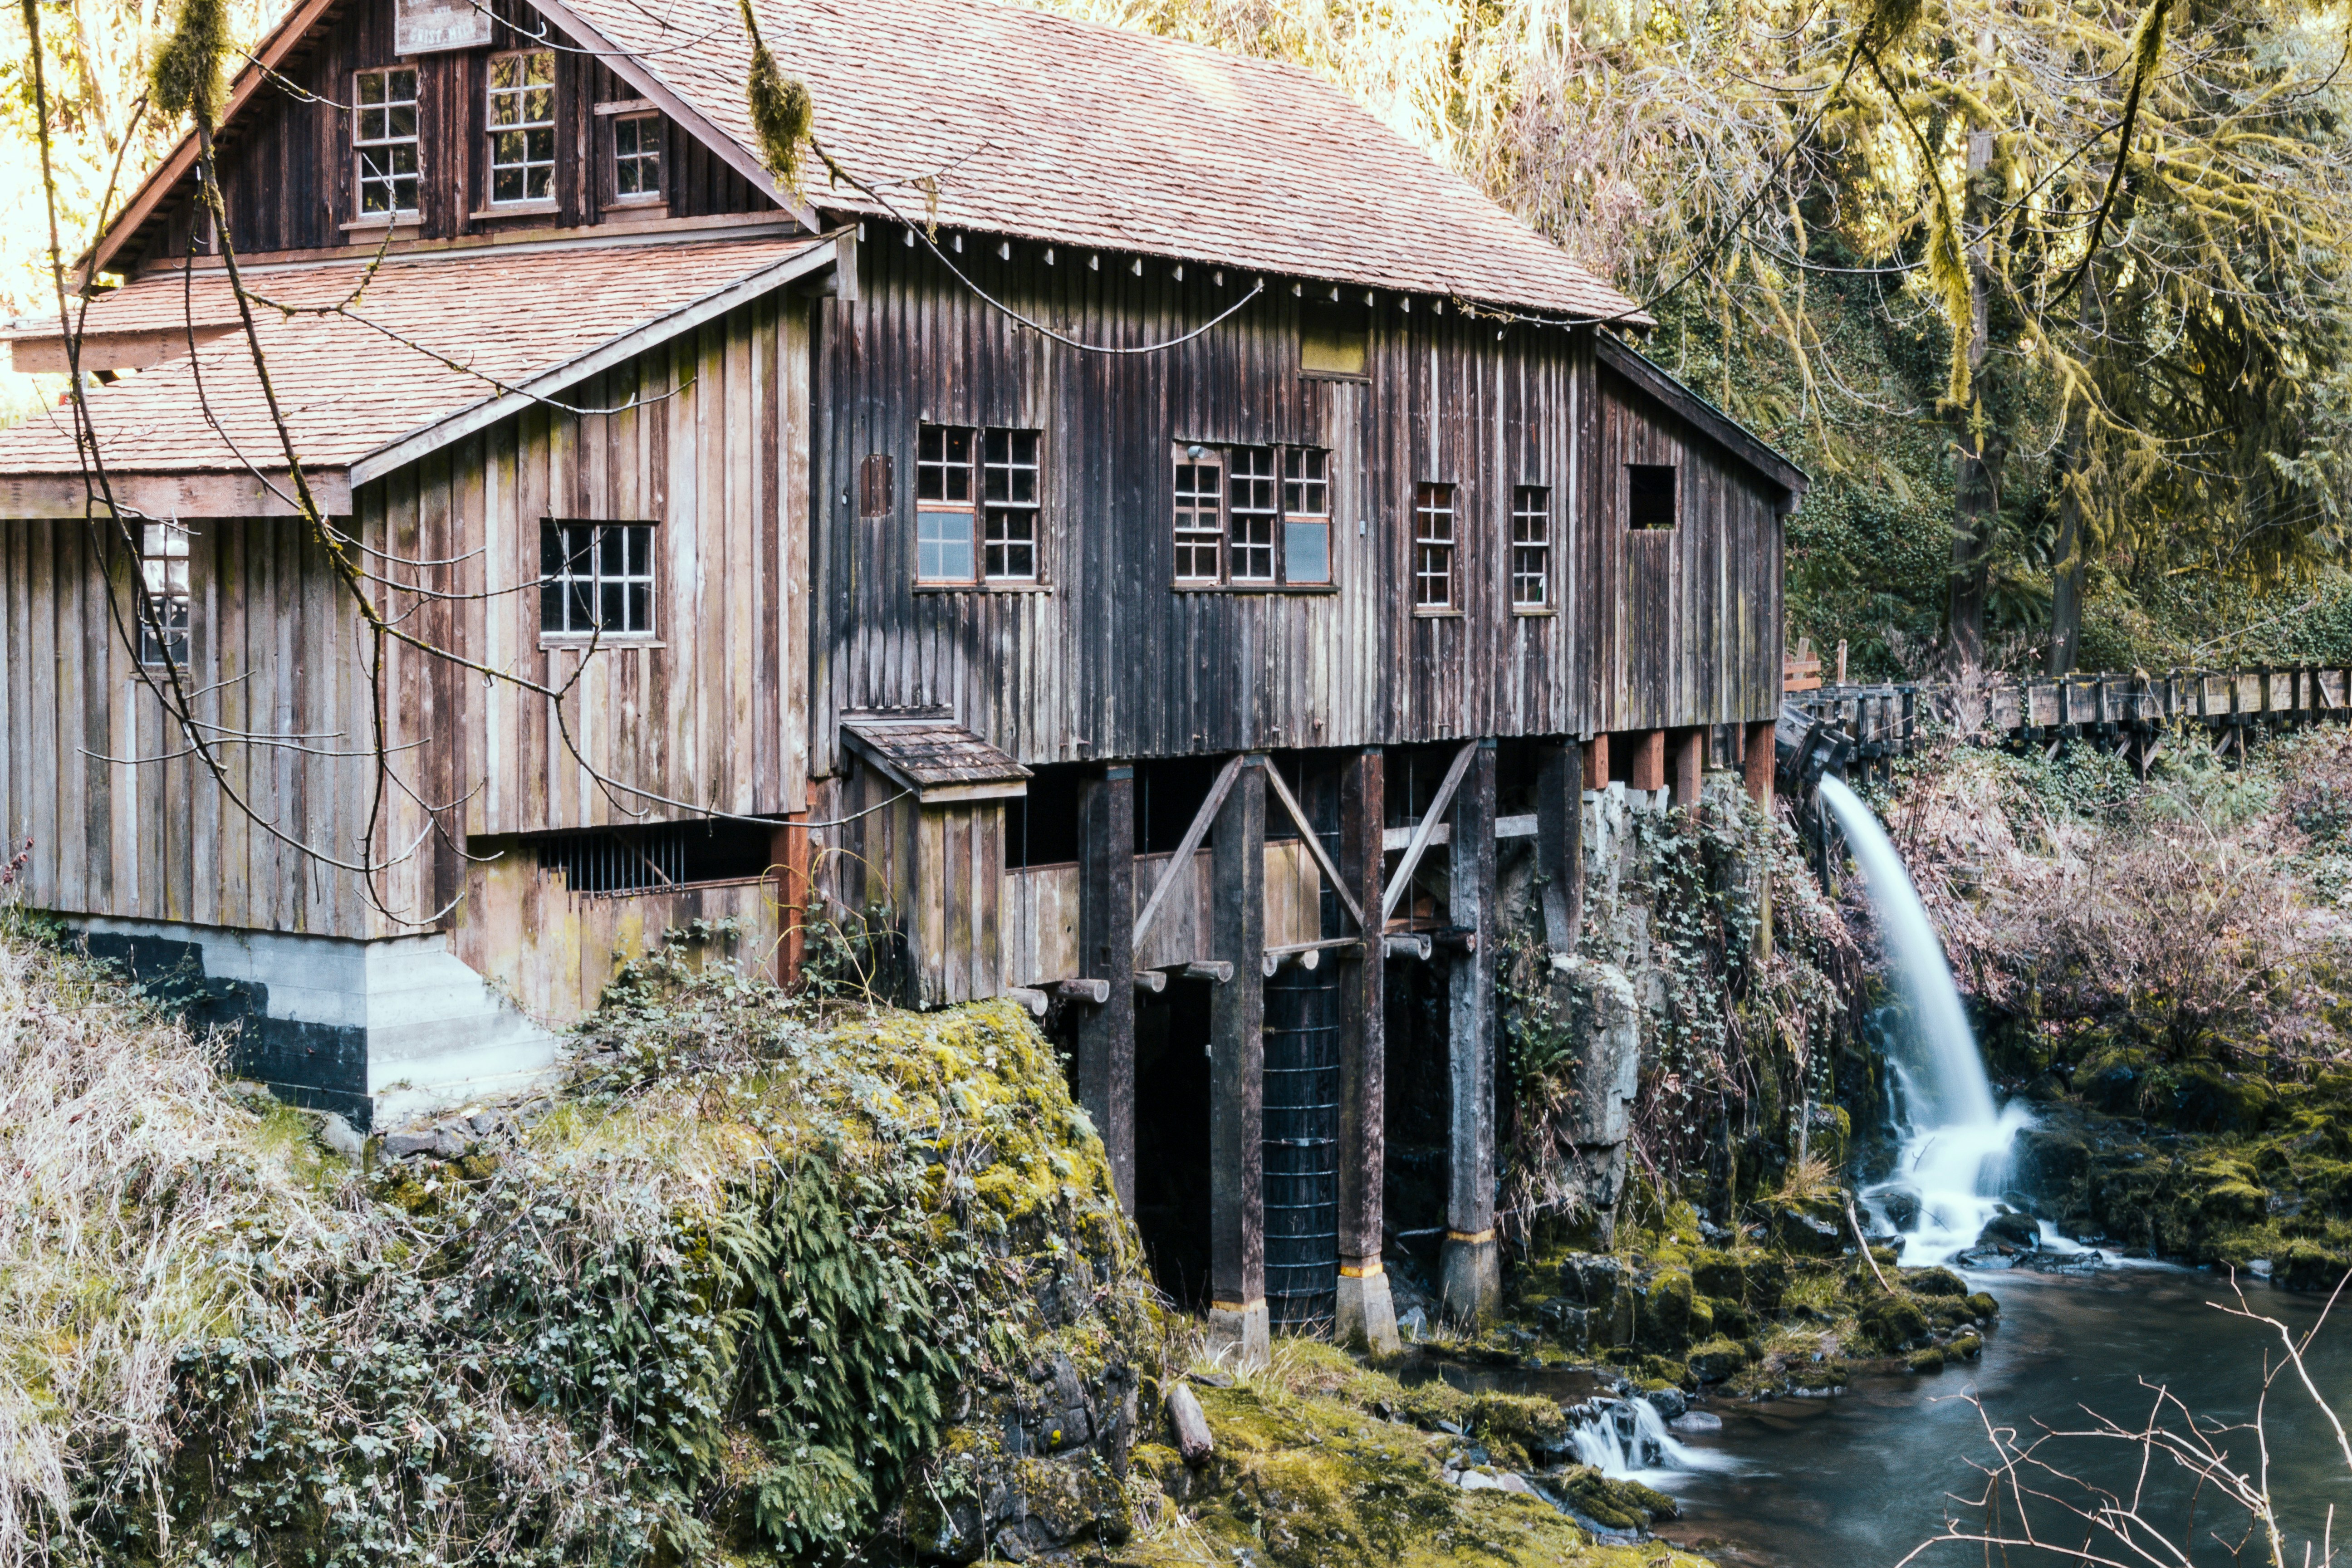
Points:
(651, 859)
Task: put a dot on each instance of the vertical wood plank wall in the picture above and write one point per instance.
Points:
(1674, 629)
(712, 714)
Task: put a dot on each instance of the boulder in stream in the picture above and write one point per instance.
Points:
(2010, 1229)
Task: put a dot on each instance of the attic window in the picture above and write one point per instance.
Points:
(1649, 495)
(595, 579)
(636, 157)
(523, 127)
(384, 139)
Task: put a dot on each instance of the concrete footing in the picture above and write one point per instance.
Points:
(1470, 1288)
(1367, 1316)
(379, 1032)
(1240, 1338)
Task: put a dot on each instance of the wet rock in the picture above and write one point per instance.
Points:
(1928, 1359)
(1803, 1229)
(1590, 1278)
(1983, 1305)
(1717, 1360)
(1691, 1422)
(1934, 1282)
(1891, 1322)
(1901, 1205)
(1567, 1324)
(2012, 1229)
(1965, 1347)
(1669, 1402)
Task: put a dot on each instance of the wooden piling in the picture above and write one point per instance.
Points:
(1105, 1040)
(1760, 763)
(1560, 842)
(1690, 750)
(1367, 1315)
(1596, 763)
(1471, 1285)
(1649, 769)
(1237, 1313)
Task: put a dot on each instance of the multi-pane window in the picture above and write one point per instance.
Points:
(1200, 521)
(384, 139)
(968, 532)
(1306, 515)
(1008, 471)
(1253, 517)
(1250, 513)
(1531, 548)
(637, 156)
(1649, 495)
(523, 127)
(163, 568)
(596, 578)
(1432, 547)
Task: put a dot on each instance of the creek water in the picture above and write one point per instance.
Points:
(1866, 1477)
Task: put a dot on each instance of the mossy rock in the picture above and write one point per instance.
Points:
(2207, 1099)
(1732, 1320)
(1891, 1323)
(1965, 1347)
(1982, 1304)
(1820, 1376)
(1928, 1359)
(1717, 1361)
(1614, 1505)
(1673, 1313)
(1934, 1282)
(1811, 1228)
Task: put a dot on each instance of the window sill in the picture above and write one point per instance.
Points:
(409, 221)
(1360, 378)
(654, 205)
(1434, 613)
(1307, 588)
(515, 209)
(601, 644)
(983, 587)
(1534, 612)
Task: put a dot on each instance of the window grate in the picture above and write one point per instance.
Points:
(612, 861)
(384, 139)
(523, 127)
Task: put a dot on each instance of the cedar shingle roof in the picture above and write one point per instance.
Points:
(349, 390)
(933, 755)
(1084, 135)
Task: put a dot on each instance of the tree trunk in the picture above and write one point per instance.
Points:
(2066, 570)
(1976, 499)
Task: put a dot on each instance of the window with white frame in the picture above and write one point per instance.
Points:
(1432, 547)
(976, 505)
(1531, 548)
(595, 579)
(1250, 513)
(1199, 518)
(163, 570)
(384, 139)
(636, 157)
(1008, 471)
(1306, 515)
(1253, 517)
(523, 127)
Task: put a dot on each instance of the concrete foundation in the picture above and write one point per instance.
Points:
(1367, 1317)
(1240, 1338)
(1470, 1285)
(379, 1032)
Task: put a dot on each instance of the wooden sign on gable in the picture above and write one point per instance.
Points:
(428, 26)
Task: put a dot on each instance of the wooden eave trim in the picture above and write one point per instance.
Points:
(626, 66)
(939, 792)
(428, 439)
(158, 185)
(170, 494)
(1719, 427)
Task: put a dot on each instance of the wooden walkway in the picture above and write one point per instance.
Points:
(1867, 727)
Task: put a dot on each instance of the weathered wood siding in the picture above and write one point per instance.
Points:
(1040, 913)
(710, 715)
(286, 165)
(1107, 660)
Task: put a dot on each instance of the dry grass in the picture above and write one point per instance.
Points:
(132, 1195)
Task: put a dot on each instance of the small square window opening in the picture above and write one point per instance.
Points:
(596, 579)
(637, 157)
(1649, 495)
(1250, 513)
(163, 569)
(1531, 548)
(1432, 547)
(1200, 521)
(1306, 515)
(384, 139)
(523, 127)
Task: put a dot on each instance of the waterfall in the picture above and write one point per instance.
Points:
(1626, 1439)
(1955, 1142)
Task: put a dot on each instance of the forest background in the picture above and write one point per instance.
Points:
(2049, 296)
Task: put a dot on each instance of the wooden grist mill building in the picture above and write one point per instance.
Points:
(1153, 544)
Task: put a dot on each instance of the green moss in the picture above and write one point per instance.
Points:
(1928, 1359)
(1717, 1360)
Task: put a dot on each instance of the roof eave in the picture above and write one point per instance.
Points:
(1725, 431)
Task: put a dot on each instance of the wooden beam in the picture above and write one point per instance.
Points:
(1181, 862)
(1237, 1310)
(1760, 760)
(1690, 766)
(1425, 831)
(1104, 1044)
(1649, 769)
(1366, 1312)
(1596, 763)
(1559, 843)
(172, 495)
(1315, 845)
(1470, 1268)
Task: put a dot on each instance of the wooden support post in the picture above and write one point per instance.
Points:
(1762, 760)
(1649, 769)
(1367, 1315)
(1559, 843)
(1596, 763)
(1690, 766)
(1471, 1288)
(788, 859)
(1237, 1314)
(1106, 1033)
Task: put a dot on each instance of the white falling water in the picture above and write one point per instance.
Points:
(1626, 1439)
(1955, 1148)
